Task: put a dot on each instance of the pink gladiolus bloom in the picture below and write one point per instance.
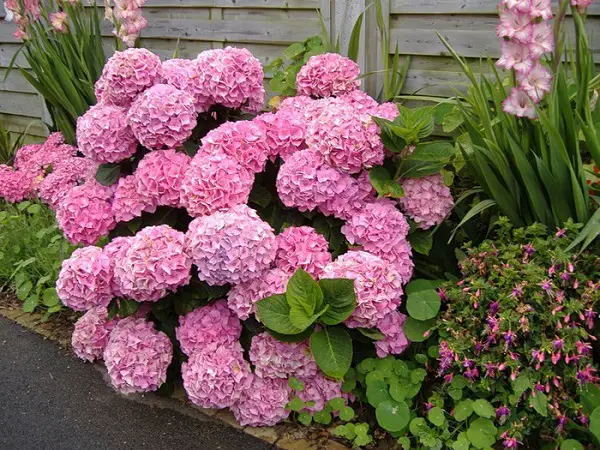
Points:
(59, 21)
(542, 40)
(515, 56)
(515, 25)
(519, 104)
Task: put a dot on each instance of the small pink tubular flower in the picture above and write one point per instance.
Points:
(159, 177)
(85, 213)
(245, 141)
(263, 404)
(327, 75)
(319, 389)
(305, 182)
(242, 297)
(377, 285)
(137, 356)
(128, 203)
(231, 77)
(213, 324)
(354, 196)
(214, 183)
(231, 246)
(65, 175)
(276, 359)
(302, 248)
(519, 104)
(217, 376)
(395, 341)
(426, 200)
(104, 135)
(347, 139)
(116, 250)
(163, 117)
(84, 280)
(285, 134)
(155, 263)
(91, 333)
(127, 74)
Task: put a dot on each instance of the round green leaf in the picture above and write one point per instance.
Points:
(377, 392)
(462, 442)
(24, 289)
(305, 418)
(417, 375)
(415, 329)
(392, 416)
(418, 426)
(295, 404)
(31, 303)
(590, 397)
(423, 305)
(456, 394)
(337, 403)
(463, 410)
(571, 444)
(332, 350)
(322, 417)
(482, 433)
(398, 391)
(296, 384)
(346, 413)
(483, 408)
(436, 416)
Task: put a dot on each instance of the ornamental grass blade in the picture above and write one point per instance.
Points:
(354, 43)
(474, 211)
(590, 231)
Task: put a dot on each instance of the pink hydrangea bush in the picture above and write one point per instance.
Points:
(137, 356)
(327, 75)
(264, 403)
(302, 248)
(91, 334)
(160, 175)
(275, 359)
(426, 200)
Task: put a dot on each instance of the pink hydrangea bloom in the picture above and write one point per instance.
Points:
(155, 263)
(104, 135)
(377, 285)
(160, 176)
(302, 248)
(185, 75)
(65, 175)
(319, 389)
(242, 297)
(17, 185)
(263, 404)
(378, 223)
(127, 202)
(347, 139)
(276, 359)
(231, 77)
(231, 246)
(100, 89)
(354, 195)
(212, 324)
(395, 341)
(163, 117)
(115, 250)
(91, 333)
(35, 159)
(295, 106)
(215, 182)
(137, 356)
(85, 213)
(84, 279)
(285, 134)
(326, 75)
(360, 101)
(245, 141)
(217, 376)
(519, 104)
(127, 74)
(25, 154)
(426, 200)
(305, 182)
(388, 111)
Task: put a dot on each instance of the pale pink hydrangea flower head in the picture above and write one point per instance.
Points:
(155, 263)
(395, 341)
(212, 324)
(163, 117)
(217, 376)
(275, 359)
(377, 285)
(285, 134)
(214, 182)
(319, 389)
(355, 194)
(231, 246)
(84, 279)
(326, 75)
(85, 213)
(127, 202)
(91, 333)
(65, 175)
(137, 356)
(302, 248)
(17, 185)
(263, 404)
(159, 177)
(360, 101)
(388, 111)
(36, 159)
(127, 74)
(116, 250)
(427, 200)
(103, 134)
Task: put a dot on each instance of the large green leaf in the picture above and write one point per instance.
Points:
(423, 305)
(433, 151)
(415, 329)
(392, 416)
(339, 295)
(482, 433)
(274, 312)
(304, 293)
(108, 174)
(332, 349)
(590, 397)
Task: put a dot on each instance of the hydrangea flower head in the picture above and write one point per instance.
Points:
(65, 175)
(377, 285)
(137, 356)
(163, 117)
(212, 324)
(84, 279)
(127, 202)
(388, 111)
(302, 248)
(285, 134)
(85, 213)
(231, 246)
(354, 196)
(115, 250)
(360, 101)
(263, 404)
(185, 75)
(275, 359)
(217, 376)
(155, 263)
(320, 390)
(426, 200)
(17, 185)
(215, 182)
(103, 134)
(395, 341)
(326, 75)
(127, 74)
(91, 333)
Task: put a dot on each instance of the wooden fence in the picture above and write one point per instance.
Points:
(266, 27)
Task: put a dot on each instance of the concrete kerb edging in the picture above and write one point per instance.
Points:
(284, 436)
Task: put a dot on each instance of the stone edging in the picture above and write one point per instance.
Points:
(284, 436)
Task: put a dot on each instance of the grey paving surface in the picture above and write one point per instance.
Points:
(50, 400)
